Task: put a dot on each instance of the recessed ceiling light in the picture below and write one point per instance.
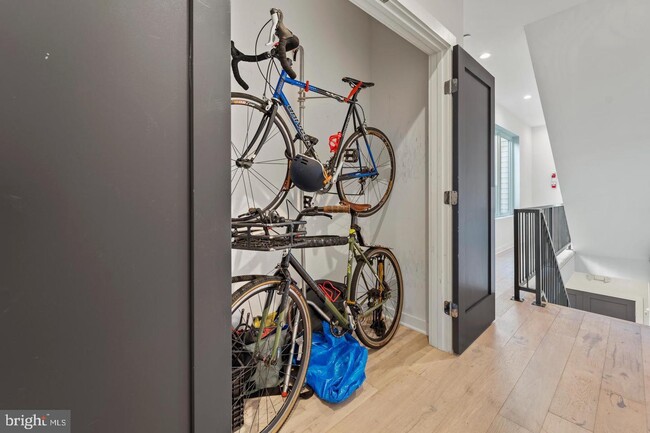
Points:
(527, 97)
(485, 56)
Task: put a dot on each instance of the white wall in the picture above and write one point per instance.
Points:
(594, 86)
(360, 47)
(617, 267)
(331, 52)
(543, 167)
(399, 110)
(534, 164)
(523, 171)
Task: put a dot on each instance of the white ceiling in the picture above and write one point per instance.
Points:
(497, 27)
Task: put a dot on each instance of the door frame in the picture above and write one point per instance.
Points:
(429, 35)
(209, 207)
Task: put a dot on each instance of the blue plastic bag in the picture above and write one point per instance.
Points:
(337, 366)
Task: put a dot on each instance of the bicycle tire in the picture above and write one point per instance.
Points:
(389, 333)
(350, 185)
(247, 292)
(271, 185)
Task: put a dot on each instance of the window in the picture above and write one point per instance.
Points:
(505, 172)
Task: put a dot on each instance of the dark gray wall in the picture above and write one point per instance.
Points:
(98, 230)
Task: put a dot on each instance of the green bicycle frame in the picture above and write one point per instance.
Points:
(355, 254)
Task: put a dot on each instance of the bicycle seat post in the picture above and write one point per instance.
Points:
(355, 218)
(354, 224)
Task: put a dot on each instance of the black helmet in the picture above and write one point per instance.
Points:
(308, 173)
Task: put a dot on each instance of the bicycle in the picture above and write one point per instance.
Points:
(271, 324)
(266, 154)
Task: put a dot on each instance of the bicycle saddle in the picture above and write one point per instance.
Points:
(353, 82)
(356, 207)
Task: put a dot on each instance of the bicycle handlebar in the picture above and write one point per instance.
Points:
(238, 56)
(287, 41)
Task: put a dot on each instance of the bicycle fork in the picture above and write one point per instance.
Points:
(265, 125)
(283, 314)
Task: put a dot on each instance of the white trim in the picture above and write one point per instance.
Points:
(440, 215)
(409, 20)
(504, 248)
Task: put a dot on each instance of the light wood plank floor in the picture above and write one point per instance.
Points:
(550, 370)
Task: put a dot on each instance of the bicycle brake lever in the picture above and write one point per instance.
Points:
(274, 25)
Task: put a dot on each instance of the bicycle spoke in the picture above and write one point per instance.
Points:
(268, 182)
(235, 187)
(271, 161)
(251, 184)
(235, 149)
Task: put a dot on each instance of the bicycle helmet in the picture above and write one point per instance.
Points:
(307, 173)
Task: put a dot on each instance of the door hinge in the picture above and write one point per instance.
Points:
(451, 198)
(451, 86)
(451, 309)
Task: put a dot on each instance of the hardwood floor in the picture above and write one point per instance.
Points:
(550, 370)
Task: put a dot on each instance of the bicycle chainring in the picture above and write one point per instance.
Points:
(337, 330)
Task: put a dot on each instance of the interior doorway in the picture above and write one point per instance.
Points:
(363, 45)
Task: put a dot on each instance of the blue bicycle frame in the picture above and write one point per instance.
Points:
(279, 96)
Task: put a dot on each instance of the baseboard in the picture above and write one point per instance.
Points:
(414, 323)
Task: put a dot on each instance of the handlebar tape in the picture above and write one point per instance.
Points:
(336, 209)
(285, 45)
(238, 56)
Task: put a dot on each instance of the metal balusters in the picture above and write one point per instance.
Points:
(540, 234)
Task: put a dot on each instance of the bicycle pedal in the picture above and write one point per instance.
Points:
(351, 155)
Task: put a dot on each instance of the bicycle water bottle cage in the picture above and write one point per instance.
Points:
(335, 140)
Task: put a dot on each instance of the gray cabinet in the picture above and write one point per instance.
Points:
(601, 304)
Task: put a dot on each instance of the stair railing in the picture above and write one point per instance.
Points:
(540, 235)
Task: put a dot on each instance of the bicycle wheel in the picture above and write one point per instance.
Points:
(260, 401)
(376, 326)
(257, 180)
(359, 182)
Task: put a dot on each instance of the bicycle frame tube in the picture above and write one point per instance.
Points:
(356, 253)
(280, 96)
(352, 113)
(295, 264)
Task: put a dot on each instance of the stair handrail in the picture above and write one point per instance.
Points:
(541, 233)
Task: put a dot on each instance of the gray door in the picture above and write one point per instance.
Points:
(114, 200)
(473, 239)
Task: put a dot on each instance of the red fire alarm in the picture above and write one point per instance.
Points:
(554, 180)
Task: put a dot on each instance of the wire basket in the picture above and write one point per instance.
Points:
(261, 236)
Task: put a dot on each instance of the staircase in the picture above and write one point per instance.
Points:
(541, 234)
